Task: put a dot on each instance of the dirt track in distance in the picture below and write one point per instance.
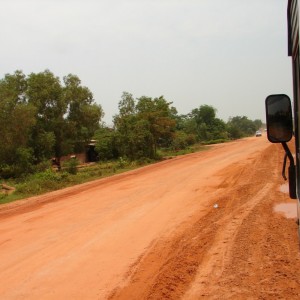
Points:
(201, 226)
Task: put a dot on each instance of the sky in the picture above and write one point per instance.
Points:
(229, 54)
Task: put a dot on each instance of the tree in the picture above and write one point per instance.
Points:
(16, 121)
(106, 143)
(218, 130)
(124, 124)
(144, 125)
(83, 114)
(67, 116)
(258, 124)
(126, 105)
(44, 91)
(204, 114)
(240, 126)
(133, 137)
(160, 116)
(40, 118)
(182, 140)
(207, 126)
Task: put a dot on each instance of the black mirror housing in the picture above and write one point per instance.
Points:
(279, 118)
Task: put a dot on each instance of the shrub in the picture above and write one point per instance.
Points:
(122, 162)
(43, 166)
(6, 171)
(72, 166)
(41, 182)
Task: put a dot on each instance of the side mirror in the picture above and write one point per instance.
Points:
(279, 118)
(280, 130)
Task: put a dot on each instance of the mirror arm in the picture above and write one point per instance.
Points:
(283, 167)
(292, 171)
(288, 153)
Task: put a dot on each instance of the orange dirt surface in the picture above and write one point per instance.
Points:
(199, 226)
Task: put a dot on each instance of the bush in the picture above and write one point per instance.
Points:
(24, 161)
(29, 188)
(48, 175)
(43, 166)
(7, 171)
(182, 140)
(219, 141)
(72, 166)
(42, 182)
(122, 162)
(22, 164)
(144, 161)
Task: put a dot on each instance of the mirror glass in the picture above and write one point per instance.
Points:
(279, 118)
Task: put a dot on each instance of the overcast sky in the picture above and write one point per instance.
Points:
(226, 53)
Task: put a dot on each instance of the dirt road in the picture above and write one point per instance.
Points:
(193, 227)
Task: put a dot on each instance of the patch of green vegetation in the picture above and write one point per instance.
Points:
(171, 152)
(219, 141)
(72, 174)
(50, 180)
(4, 198)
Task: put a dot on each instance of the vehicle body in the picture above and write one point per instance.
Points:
(280, 125)
(258, 133)
(293, 51)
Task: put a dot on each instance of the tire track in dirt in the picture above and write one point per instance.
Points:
(215, 261)
(213, 255)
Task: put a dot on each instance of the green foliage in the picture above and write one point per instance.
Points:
(24, 161)
(23, 164)
(41, 118)
(161, 118)
(84, 114)
(72, 166)
(49, 175)
(43, 166)
(42, 182)
(205, 114)
(122, 162)
(217, 141)
(3, 197)
(105, 143)
(166, 153)
(203, 123)
(182, 140)
(126, 104)
(50, 180)
(16, 118)
(133, 138)
(7, 171)
(44, 91)
(234, 131)
(238, 127)
(43, 144)
(258, 124)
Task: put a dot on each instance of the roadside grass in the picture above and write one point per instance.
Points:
(167, 153)
(50, 180)
(219, 141)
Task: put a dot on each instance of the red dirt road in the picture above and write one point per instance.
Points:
(154, 233)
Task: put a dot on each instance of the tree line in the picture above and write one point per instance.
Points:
(43, 117)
